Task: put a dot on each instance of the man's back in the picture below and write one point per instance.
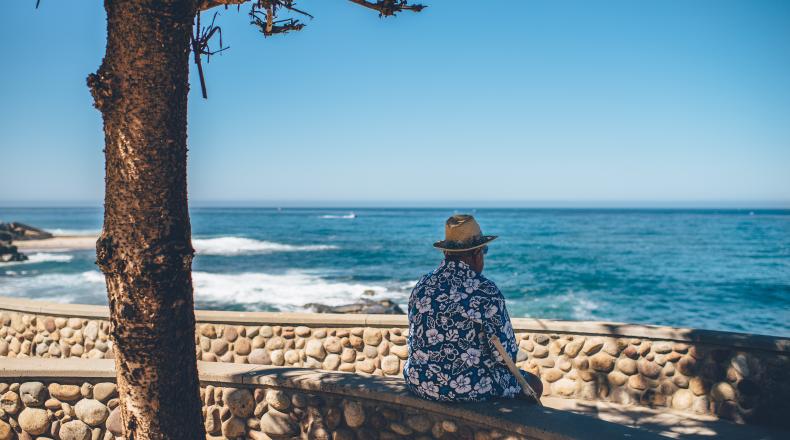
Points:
(453, 312)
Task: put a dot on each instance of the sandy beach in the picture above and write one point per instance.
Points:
(64, 242)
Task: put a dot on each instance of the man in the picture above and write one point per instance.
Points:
(453, 313)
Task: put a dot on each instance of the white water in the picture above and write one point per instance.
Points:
(247, 246)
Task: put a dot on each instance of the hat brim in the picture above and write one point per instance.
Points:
(451, 246)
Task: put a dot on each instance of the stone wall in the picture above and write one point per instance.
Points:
(744, 378)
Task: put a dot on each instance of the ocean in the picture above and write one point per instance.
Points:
(710, 269)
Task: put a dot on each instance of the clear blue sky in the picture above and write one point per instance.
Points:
(539, 101)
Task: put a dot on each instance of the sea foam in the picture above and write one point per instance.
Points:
(245, 246)
(41, 257)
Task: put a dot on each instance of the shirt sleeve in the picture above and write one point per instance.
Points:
(496, 321)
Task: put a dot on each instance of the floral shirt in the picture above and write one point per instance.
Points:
(453, 312)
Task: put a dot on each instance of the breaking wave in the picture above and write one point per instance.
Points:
(247, 246)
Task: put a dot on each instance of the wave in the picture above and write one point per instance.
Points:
(248, 246)
(42, 257)
(344, 216)
(289, 291)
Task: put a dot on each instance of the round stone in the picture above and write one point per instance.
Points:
(276, 423)
(64, 392)
(372, 336)
(6, 432)
(617, 378)
(302, 331)
(291, 357)
(331, 362)
(722, 391)
(234, 427)
(637, 382)
(91, 411)
(230, 333)
(563, 387)
(697, 386)
(278, 358)
(104, 391)
(74, 430)
(33, 393)
(278, 399)
(260, 356)
(114, 422)
(208, 331)
(275, 343)
(626, 365)
(662, 347)
(333, 344)
(353, 413)
(34, 421)
(592, 346)
(315, 349)
(390, 364)
(573, 347)
(239, 401)
(402, 351)
(219, 346)
(366, 366)
(682, 399)
(419, 422)
(602, 362)
(551, 375)
(648, 369)
(10, 402)
(242, 346)
(540, 352)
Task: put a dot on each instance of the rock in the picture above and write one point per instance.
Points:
(626, 365)
(230, 333)
(687, 365)
(219, 346)
(740, 364)
(302, 331)
(91, 331)
(540, 352)
(259, 356)
(331, 362)
(114, 422)
(602, 362)
(278, 358)
(234, 427)
(315, 349)
(275, 343)
(33, 394)
(722, 391)
(332, 344)
(242, 346)
(278, 399)
(637, 382)
(540, 339)
(21, 232)
(34, 421)
(372, 336)
(592, 346)
(91, 411)
(662, 347)
(104, 391)
(363, 306)
(573, 347)
(563, 387)
(390, 364)
(697, 386)
(213, 422)
(353, 413)
(366, 366)
(74, 430)
(66, 393)
(631, 352)
(681, 381)
(239, 401)
(291, 357)
(6, 433)
(276, 423)
(682, 399)
(551, 375)
(617, 378)
(10, 402)
(419, 423)
(401, 351)
(648, 369)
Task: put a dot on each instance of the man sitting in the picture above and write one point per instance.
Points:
(453, 313)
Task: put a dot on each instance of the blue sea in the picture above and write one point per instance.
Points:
(712, 269)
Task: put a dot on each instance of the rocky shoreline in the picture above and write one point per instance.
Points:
(9, 232)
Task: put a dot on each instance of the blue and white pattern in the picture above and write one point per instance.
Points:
(453, 312)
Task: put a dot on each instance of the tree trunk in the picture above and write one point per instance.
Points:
(145, 249)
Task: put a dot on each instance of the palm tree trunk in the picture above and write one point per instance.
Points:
(145, 249)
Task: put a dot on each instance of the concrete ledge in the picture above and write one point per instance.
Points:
(532, 325)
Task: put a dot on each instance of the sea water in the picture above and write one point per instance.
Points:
(712, 269)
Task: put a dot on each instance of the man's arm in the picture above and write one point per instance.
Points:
(496, 322)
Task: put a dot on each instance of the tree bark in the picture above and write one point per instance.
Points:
(145, 249)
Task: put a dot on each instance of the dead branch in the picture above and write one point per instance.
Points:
(388, 8)
(200, 41)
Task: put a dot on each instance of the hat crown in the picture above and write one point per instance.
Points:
(461, 228)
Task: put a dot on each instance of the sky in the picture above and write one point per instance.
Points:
(502, 102)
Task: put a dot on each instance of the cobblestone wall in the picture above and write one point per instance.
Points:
(89, 411)
(734, 383)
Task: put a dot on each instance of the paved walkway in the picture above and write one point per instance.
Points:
(667, 423)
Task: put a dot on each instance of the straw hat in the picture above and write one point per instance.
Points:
(462, 233)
